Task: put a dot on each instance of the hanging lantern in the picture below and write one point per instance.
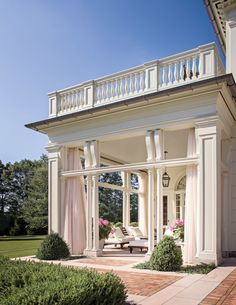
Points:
(165, 180)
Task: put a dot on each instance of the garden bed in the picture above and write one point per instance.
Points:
(29, 283)
(200, 268)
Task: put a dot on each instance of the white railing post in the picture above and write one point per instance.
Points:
(53, 101)
(207, 61)
(89, 94)
(151, 78)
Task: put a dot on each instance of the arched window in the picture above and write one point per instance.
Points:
(180, 198)
(182, 184)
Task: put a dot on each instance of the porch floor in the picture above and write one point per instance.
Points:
(147, 287)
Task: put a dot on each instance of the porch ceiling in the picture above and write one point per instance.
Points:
(132, 149)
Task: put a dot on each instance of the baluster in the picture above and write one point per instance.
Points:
(81, 99)
(136, 82)
(181, 71)
(64, 102)
(80, 102)
(97, 93)
(194, 68)
(131, 83)
(77, 99)
(73, 100)
(126, 85)
(100, 93)
(59, 104)
(176, 74)
(141, 81)
(170, 74)
(107, 90)
(112, 88)
(116, 88)
(188, 69)
(121, 87)
(164, 76)
(103, 91)
(68, 101)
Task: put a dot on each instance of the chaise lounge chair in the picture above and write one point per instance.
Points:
(118, 238)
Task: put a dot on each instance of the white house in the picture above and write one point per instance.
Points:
(183, 104)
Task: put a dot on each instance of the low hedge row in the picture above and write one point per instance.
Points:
(29, 283)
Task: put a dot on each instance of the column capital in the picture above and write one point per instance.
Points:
(210, 122)
(53, 148)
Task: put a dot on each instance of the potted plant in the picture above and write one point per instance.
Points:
(104, 231)
(178, 233)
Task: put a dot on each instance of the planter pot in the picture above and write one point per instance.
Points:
(101, 243)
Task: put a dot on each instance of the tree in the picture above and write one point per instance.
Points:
(111, 201)
(35, 210)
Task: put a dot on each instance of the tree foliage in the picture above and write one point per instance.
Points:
(111, 201)
(18, 182)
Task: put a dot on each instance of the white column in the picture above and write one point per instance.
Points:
(126, 198)
(92, 160)
(89, 216)
(159, 206)
(209, 238)
(95, 216)
(54, 199)
(151, 204)
(225, 212)
(142, 204)
(159, 149)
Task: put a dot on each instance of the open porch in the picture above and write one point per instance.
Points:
(191, 163)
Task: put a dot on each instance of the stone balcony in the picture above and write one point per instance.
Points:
(176, 70)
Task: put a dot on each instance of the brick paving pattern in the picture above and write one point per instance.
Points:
(224, 294)
(144, 284)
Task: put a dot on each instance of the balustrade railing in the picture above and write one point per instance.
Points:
(197, 64)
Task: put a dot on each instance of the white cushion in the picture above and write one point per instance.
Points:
(118, 233)
(139, 243)
(136, 232)
(126, 239)
(129, 230)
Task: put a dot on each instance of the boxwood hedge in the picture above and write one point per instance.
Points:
(29, 283)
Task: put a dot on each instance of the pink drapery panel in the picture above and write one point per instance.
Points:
(75, 227)
(142, 203)
(190, 203)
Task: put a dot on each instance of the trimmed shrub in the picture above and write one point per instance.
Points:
(52, 248)
(118, 224)
(167, 256)
(29, 283)
(134, 224)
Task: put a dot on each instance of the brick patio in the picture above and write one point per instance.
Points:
(225, 293)
(144, 284)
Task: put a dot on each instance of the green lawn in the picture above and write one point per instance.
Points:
(15, 246)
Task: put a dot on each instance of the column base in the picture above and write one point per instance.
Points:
(93, 253)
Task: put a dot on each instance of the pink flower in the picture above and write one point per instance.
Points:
(179, 222)
(105, 222)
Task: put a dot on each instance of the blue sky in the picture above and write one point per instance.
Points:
(51, 44)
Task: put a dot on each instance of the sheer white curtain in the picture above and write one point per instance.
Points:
(142, 203)
(75, 228)
(190, 203)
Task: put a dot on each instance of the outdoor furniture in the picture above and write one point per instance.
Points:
(118, 238)
(140, 244)
(135, 232)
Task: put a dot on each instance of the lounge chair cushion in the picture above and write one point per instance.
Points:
(118, 233)
(135, 231)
